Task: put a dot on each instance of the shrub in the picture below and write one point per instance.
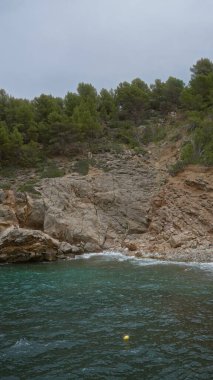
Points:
(187, 153)
(52, 171)
(28, 187)
(82, 166)
(176, 168)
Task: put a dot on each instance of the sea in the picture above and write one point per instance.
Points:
(68, 319)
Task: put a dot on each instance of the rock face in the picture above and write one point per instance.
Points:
(99, 209)
(131, 204)
(22, 245)
(182, 213)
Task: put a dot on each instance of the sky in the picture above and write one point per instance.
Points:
(49, 46)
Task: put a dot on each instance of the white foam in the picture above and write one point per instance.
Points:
(118, 256)
(105, 255)
(21, 343)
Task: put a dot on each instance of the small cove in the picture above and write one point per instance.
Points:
(66, 319)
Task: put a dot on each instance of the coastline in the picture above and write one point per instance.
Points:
(195, 256)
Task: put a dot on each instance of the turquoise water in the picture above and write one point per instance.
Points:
(66, 320)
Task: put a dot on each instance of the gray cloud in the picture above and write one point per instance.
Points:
(51, 45)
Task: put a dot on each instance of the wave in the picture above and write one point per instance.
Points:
(23, 342)
(121, 257)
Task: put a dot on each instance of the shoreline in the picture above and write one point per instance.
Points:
(202, 255)
(199, 256)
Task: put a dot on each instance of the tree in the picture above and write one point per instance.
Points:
(16, 144)
(199, 94)
(106, 106)
(45, 105)
(4, 141)
(133, 100)
(85, 119)
(87, 92)
(173, 90)
(71, 101)
(4, 100)
(202, 67)
(166, 96)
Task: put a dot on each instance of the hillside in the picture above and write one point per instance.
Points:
(126, 202)
(127, 169)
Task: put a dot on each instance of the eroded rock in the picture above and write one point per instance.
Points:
(134, 205)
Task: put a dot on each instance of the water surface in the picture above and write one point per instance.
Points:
(66, 320)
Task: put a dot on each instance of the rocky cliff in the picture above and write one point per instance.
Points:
(130, 204)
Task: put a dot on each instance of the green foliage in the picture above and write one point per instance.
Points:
(131, 115)
(31, 155)
(7, 171)
(4, 142)
(176, 168)
(107, 107)
(153, 132)
(52, 171)
(202, 67)
(203, 142)
(132, 100)
(188, 154)
(5, 185)
(44, 105)
(82, 167)
(71, 101)
(166, 96)
(85, 119)
(29, 187)
(200, 148)
(87, 92)
(199, 94)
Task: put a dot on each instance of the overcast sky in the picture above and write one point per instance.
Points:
(49, 46)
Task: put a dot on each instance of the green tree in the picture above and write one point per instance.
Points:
(132, 100)
(4, 142)
(4, 101)
(71, 101)
(202, 67)
(107, 106)
(31, 154)
(166, 96)
(199, 94)
(45, 105)
(85, 119)
(16, 144)
(87, 92)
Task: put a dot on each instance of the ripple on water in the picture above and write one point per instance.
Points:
(67, 320)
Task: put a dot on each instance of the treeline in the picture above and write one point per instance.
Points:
(30, 131)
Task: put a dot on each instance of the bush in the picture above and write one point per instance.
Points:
(5, 186)
(28, 187)
(187, 153)
(52, 171)
(82, 167)
(176, 168)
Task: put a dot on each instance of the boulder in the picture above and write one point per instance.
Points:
(21, 245)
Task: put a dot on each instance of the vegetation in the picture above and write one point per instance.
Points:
(130, 116)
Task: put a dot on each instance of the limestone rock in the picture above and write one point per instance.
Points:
(19, 244)
(134, 202)
(91, 247)
(7, 218)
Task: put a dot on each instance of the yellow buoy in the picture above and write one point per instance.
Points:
(126, 338)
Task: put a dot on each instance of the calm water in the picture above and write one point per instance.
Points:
(66, 320)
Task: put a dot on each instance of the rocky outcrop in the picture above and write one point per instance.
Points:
(101, 208)
(131, 203)
(22, 245)
(182, 214)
